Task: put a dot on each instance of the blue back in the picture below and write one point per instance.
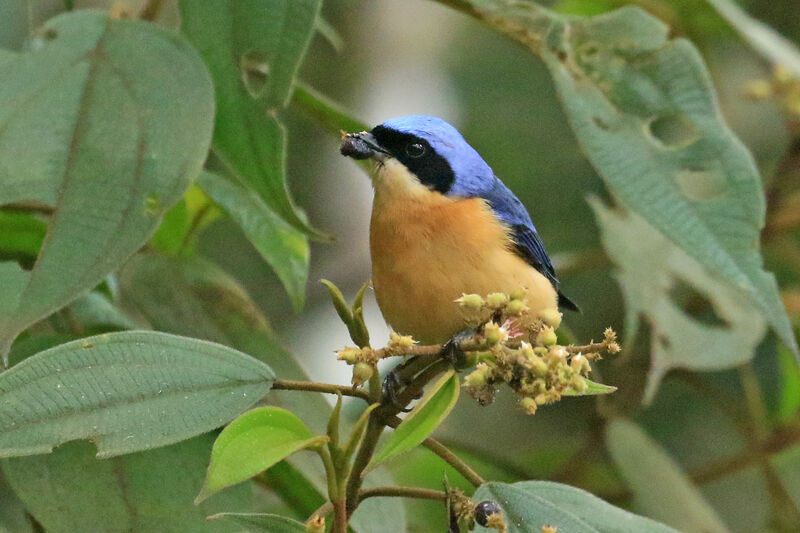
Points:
(475, 179)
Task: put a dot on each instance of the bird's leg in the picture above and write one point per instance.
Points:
(451, 350)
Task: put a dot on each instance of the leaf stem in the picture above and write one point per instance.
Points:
(453, 460)
(403, 492)
(327, 388)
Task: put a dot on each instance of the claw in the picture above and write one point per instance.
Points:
(452, 351)
(392, 384)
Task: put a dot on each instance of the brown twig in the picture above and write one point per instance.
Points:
(327, 388)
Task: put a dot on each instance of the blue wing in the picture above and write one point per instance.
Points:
(527, 243)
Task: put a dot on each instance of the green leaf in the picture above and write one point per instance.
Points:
(766, 41)
(253, 50)
(71, 490)
(673, 499)
(193, 296)
(13, 517)
(106, 122)
(789, 403)
(125, 391)
(592, 389)
(21, 233)
(324, 111)
(787, 466)
(529, 505)
(280, 244)
(268, 523)
(645, 114)
(94, 311)
(328, 115)
(648, 267)
(252, 443)
(423, 419)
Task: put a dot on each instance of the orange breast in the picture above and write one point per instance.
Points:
(428, 249)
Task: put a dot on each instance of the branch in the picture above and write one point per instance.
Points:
(312, 386)
(453, 460)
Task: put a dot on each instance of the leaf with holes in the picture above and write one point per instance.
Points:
(674, 499)
(426, 416)
(71, 490)
(261, 522)
(645, 113)
(284, 247)
(253, 50)
(105, 122)
(254, 442)
(649, 269)
(530, 505)
(125, 391)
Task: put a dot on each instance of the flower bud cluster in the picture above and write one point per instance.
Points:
(539, 370)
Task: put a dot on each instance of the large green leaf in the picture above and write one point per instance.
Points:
(253, 49)
(190, 296)
(12, 511)
(673, 498)
(126, 391)
(254, 442)
(645, 113)
(426, 416)
(71, 490)
(106, 122)
(284, 247)
(266, 523)
(529, 505)
(649, 267)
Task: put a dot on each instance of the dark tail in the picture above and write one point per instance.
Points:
(566, 303)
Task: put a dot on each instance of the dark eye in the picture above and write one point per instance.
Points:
(415, 150)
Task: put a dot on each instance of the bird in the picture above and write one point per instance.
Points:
(443, 225)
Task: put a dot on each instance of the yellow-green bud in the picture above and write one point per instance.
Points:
(349, 355)
(516, 308)
(551, 317)
(315, 524)
(546, 336)
(526, 350)
(549, 529)
(477, 378)
(494, 333)
(518, 294)
(580, 364)
(528, 405)
(471, 301)
(578, 384)
(361, 373)
(538, 366)
(496, 300)
(401, 341)
(556, 355)
(540, 350)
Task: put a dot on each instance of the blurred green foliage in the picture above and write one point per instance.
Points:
(228, 259)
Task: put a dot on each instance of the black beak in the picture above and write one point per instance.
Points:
(361, 146)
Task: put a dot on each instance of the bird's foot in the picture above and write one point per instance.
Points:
(451, 350)
(393, 383)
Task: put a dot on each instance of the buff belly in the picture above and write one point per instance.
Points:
(428, 249)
